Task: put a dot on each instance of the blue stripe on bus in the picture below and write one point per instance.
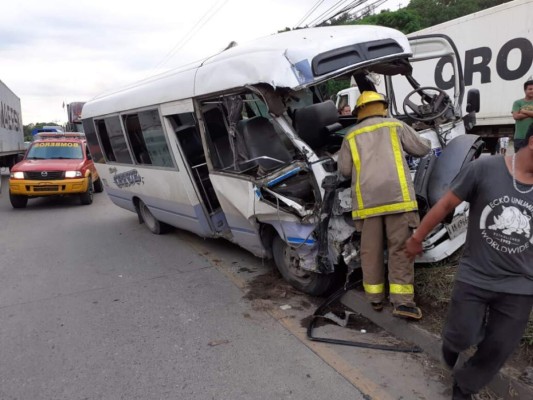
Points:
(296, 240)
(283, 177)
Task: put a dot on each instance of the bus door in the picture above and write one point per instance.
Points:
(237, 163)
(189, 142)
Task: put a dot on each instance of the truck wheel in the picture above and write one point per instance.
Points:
(98, 186)
(86, 198)
(152, 223)
(287, 262)
(18, 201)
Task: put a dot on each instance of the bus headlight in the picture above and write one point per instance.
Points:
(72, 174)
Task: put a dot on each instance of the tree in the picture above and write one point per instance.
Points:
(404, 20)
(333, 86)
(27, 129)
(420, 14)
(433, 12)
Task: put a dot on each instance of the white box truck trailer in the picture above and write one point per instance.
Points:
(11, 131)
(496, 50)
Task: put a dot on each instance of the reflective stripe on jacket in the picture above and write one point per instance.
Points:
(373, 155)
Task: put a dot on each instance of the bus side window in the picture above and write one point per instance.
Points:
(113, 140)
(92, 140)
(104, 137)
(147, 139)
(134, 133)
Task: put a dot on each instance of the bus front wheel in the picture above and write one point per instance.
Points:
(288, 263)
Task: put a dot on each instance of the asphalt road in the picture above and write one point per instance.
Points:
(93, 306)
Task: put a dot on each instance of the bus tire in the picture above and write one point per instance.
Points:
(86, 197)
(98, 186)
(308, 282)
(18, 201)
(152, 223)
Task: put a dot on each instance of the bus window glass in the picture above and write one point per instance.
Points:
(104, 137)
(254, 107)
(134, 133)
(154, 139)
(92, 141)
(117, 140)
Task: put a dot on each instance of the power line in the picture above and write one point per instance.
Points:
(307, 14)
(349, 7)
(204, 19)
(328, 11)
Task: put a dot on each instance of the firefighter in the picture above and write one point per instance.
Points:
(383, 200)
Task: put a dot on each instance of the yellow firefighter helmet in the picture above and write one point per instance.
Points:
(369, 96)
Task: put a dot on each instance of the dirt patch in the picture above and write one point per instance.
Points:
(433, 286)
(269, 291)
(270, 286)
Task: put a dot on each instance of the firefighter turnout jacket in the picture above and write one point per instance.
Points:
(373, 154)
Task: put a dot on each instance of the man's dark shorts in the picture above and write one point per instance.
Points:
(518, 144)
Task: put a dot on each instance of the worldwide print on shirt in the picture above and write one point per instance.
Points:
(506, 224)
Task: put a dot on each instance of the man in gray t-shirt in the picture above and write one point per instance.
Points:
(497, 255)
(495, 273)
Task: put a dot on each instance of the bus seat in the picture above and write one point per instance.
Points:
(260, 139)
(316, 122)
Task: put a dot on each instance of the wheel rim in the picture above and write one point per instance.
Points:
(148, 218)
(292, 261)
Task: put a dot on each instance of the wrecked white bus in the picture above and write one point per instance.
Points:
(243, 145)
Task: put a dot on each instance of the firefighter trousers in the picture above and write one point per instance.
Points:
(394, 230)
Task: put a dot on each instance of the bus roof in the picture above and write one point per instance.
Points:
(291, 59)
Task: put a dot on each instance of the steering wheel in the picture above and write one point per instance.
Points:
(434, 102)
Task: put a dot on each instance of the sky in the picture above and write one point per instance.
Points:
(55, 52)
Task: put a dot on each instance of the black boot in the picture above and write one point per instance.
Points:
(450, 357)
(458, 394)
